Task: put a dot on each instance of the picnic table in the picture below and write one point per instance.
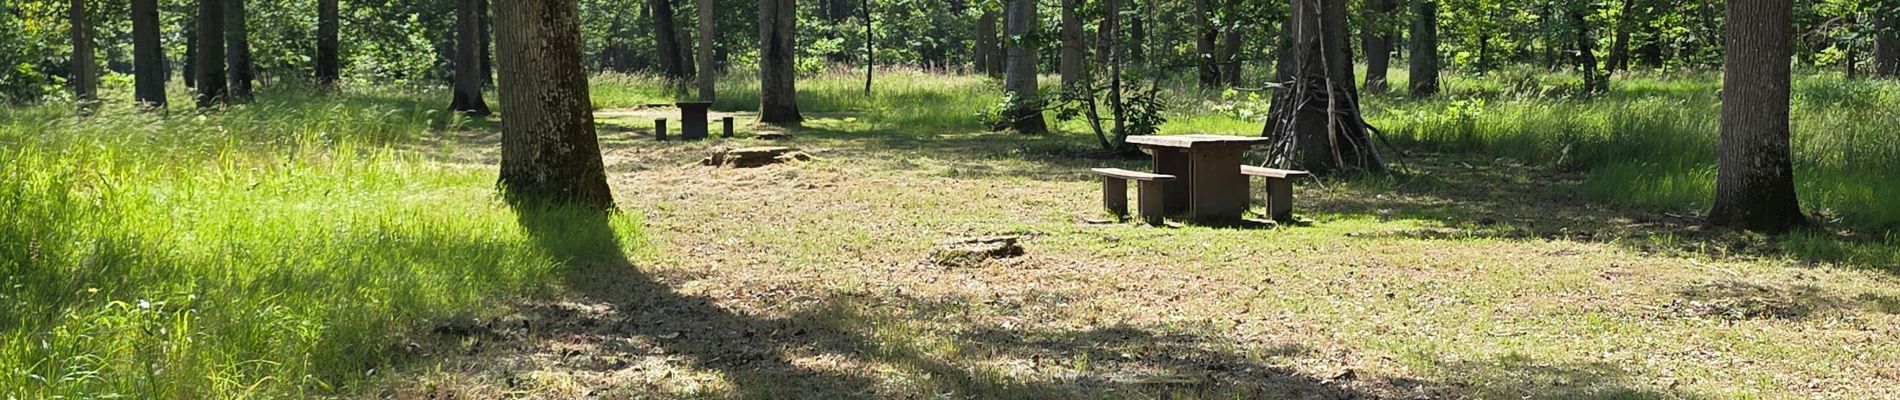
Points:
(1208, 183)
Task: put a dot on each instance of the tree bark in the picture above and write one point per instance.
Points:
(1378, 43)
(328, 70)
(1754, 186)
(237, 53)
(488, 46)
(468, 60)
(706, 74)
(211, 85)
(190, 71)
(667, 39)
(1887, 44)
(1230, 55)
(1322, 112)
(870, 48)
(1206, 37)
(778, 92)
(1620, 45)
(1020, 76)
(1072, 48)
(549, 152)
(1424, 68)
(85, 68)
(1593, 81)
(989, 58)
(1138, 34)
(148, 55)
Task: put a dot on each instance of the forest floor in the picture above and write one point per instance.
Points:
(1462, 277)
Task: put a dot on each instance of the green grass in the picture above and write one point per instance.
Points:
(281, 249)
(303, 246)
(1651, 142)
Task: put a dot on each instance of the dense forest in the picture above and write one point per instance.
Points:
(1222, 42)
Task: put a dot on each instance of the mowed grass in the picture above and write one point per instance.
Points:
(280, 249)
(307, 246)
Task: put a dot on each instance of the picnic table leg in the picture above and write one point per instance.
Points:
(1115, 195)
(1174, 194)
(1280, 198)
(1219, 191)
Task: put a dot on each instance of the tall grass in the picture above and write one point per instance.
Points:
(280, 249)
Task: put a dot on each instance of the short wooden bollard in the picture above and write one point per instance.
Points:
(659, 128)
(728, 132)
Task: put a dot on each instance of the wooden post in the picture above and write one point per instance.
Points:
(1115, 195)
(659, 128)
(1172, 161)
(1151, 203)
(1280, 198)
(728, 125)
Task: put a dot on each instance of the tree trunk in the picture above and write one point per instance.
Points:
(1754, 184)
(211, 85)
(237, 53)
(1378, 43)
(328, 70)
(666, 39)
(85, 69)
(1138, 34)
(1019, 22)
(548, 148)
(1322, 111)
(1424, 71)
(148, 55)
(1111, 38)
(778, 92)
(1205, 39)
(190, 72)
(1887, 44)
(1620, 45)
(870, 48)
(1230, 57)
(468, 60)
(1593, 81)
(1072, 47)
(1849, 55)
(1650, 53)
(706, 71)
(488, 47)
(989, 57)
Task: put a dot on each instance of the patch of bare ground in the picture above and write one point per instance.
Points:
(814, 279)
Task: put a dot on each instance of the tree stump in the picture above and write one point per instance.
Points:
(753, 157)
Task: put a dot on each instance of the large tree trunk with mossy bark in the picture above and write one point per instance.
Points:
(85, 69)
(1754, 183)
(237, 53)
(548, 149)
(210, 66)
(328, 69)
(667, 39)
(1025, 114)
(148, 55)
(778, 91)
(468, 60)
(1321, 111)
(1424, 61)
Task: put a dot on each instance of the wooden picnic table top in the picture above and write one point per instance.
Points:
(1187, 141)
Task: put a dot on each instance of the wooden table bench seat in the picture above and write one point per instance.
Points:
(1148, 193)
(1279, 188)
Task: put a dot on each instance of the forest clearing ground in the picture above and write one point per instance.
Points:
(1468, 277)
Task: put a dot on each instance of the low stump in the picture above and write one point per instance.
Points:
(752, 157)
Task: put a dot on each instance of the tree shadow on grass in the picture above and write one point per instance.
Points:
(828, 348)
(1465, 198)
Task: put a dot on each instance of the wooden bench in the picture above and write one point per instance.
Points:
(1279, 189)
(1148, 193)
